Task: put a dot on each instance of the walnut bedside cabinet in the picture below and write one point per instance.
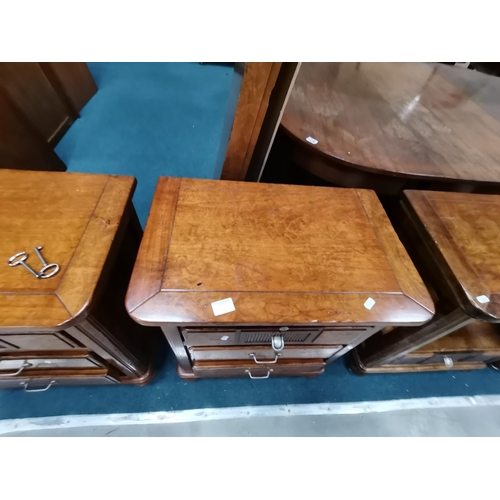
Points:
(454, 240)
(68, 245)
(258, 280)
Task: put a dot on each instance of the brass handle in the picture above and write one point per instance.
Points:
(43, 389)
(265, 362)
(23, 366)
(259, 378)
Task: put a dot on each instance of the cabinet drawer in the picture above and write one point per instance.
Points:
(485, 357)
(35, 342)
(215, 369)
(343, 334)
(43, 383)
(262, 353)
(25, 365)
(208, 337)
(410, 359)
(246, 336)
(439, 358)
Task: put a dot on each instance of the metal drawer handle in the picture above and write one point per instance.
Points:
(278, 343)
(23, 366)
(43, 389)
(258, 378)
(268, 362)
(448, 362)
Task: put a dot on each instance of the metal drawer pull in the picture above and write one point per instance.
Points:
(51, 383)
(258, 378)
(278, 343)
(448, 362)
(23, 366)
(268, 362)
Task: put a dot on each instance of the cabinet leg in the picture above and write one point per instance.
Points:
(174, 339)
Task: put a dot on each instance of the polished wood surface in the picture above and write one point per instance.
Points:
(298, 262)
(457, 235)
(421, 121)
(266, 247)
(87, 225)
(463, 233)
(66, 214)
(258, 81)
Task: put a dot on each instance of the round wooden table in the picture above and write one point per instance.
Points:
(394, 126)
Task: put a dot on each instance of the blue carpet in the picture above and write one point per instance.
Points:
(166, 119)
(150, 119)
(168, 392)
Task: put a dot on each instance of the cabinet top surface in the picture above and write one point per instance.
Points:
(408, 119)
(74, 218)
(281, 253)
(464, 230)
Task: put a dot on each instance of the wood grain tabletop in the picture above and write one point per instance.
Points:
(462, 231)
(282, 253)
(74, 217)
(414, 120)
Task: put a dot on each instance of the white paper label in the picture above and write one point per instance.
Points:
(224, 337)
(312, 140)
(369, 303)
(223, 306)
(483, 299)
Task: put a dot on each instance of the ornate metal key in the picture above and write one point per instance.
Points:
(19, 259)
(45, 265)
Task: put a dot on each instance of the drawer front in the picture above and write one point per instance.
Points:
(25, 365)
(35, 342)
(440, 358)
(42, 384)
(247, 336)
(484, 357)
(342, 334)
(247, 370)
(207, 337)
(262, 354)
(410, 360)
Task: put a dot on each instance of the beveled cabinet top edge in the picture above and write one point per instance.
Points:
(68, 306)
(145, 294)
(460, 273)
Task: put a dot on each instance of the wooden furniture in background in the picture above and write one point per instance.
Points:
(21, 146)
(38, 103)
(453, 239)
(301, 265)
(71, 328)
(391, 126)
(246, 120)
